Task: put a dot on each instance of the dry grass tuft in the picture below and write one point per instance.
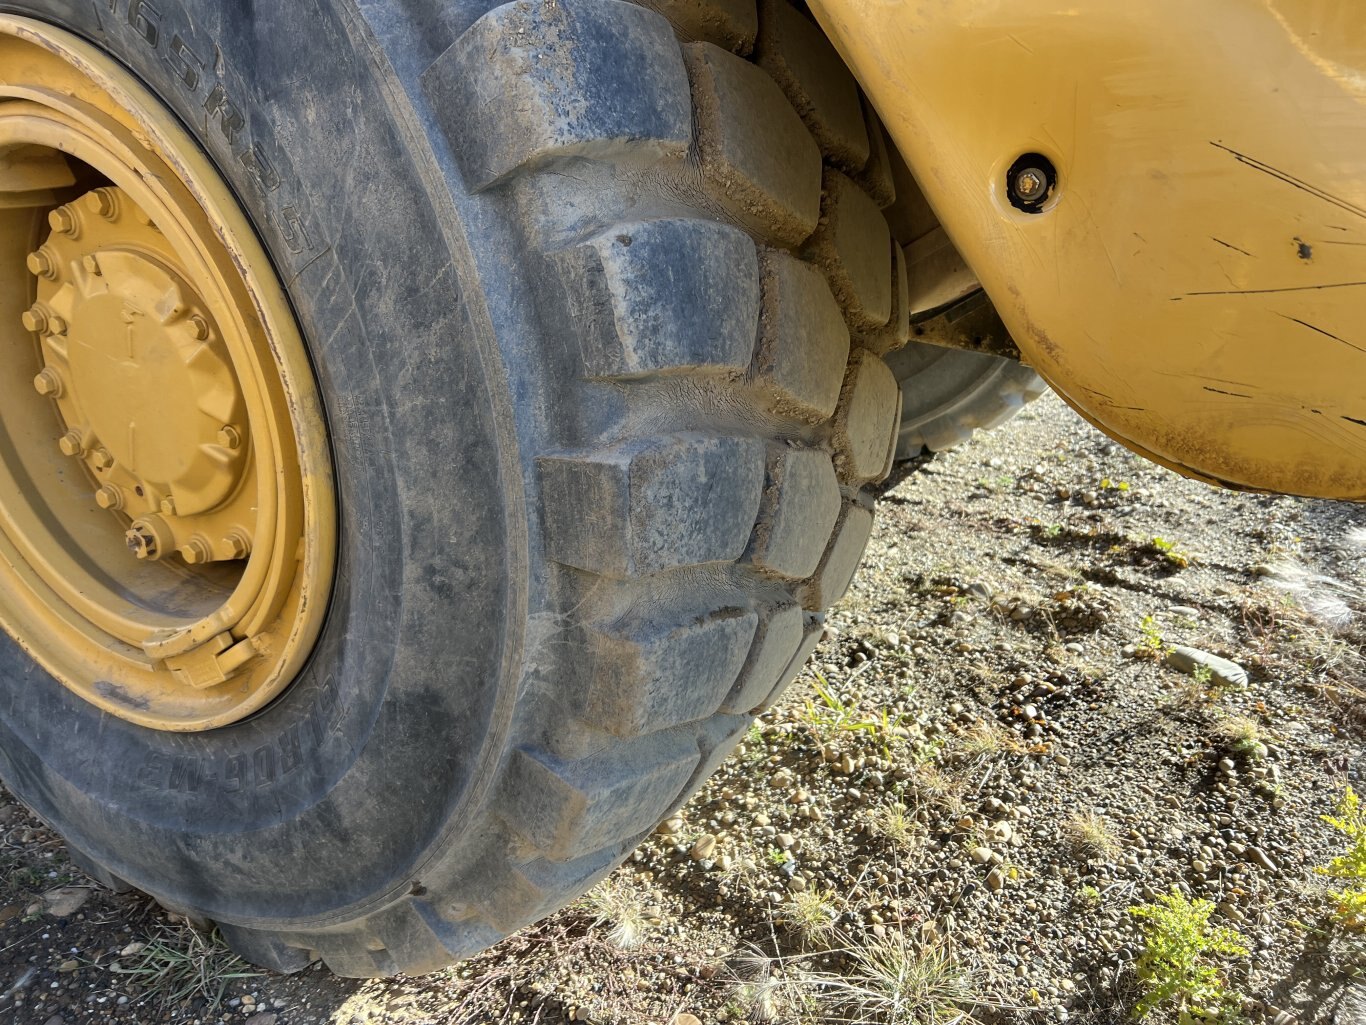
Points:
(181, 962)
(888, 982)
(614, 905)
(1092, 834)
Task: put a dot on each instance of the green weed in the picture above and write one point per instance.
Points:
(1179, 965)
(1350, 866)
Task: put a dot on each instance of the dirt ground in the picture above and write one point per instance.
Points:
(990, 758)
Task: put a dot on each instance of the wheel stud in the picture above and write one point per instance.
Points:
(72, 444)
(48, 383)
(41, 265)
(102, 202)
(195, 551)
(42, 321)
(109, 497)
(64, 221)
(229, 437)
(238, 545)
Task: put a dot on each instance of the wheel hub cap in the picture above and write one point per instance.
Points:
(146, 391)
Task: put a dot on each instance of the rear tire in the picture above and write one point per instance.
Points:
(596, 307)
(948, 395)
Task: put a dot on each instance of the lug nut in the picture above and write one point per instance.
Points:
(238, 545)
(91, 265)
(42, 321)
(41, 264)
(64, 221)
(109, 497)
(102, 459)
(195, 551)
(37, 319)
(168, 506)
(72, 444)
(48, 383)
(103, 202)
(199, 327)
(229, 437)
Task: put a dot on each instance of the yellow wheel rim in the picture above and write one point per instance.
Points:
(167, 521)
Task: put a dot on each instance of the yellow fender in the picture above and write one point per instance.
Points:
(1167, 203)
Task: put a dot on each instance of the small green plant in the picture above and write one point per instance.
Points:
(1241, 736)
(896, 825)
(1180, 964)
(1150, 641)
(1351, 866)
(812, 915)
(1051, 531)
(1089, 897)
(1168, 551)
(778, 857)
(831, 714)
(1202, 675)
(179, 963)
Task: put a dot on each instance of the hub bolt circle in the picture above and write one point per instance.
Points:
(102, 202)
(48, 383)
(41, 265)
(109, 497)
(72, 444)
(196, 551)
(64, 221)
(37, 319)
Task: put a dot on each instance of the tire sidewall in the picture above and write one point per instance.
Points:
(392, 727)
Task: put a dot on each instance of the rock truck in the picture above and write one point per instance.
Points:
(431, 430)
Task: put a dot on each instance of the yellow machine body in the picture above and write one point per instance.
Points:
(1195, 282)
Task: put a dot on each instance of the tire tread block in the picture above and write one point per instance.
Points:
(853, 245)
(841, 558)
(801, 503)
(805, 64)
(813, 625)
(803, 341)
(776, 642)
(867, 419)
(567, 809)
(657, 503)
(530, 82)
(758, 162)
(666, 296)
(660, 669)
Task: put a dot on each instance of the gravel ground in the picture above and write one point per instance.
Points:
(992, 756)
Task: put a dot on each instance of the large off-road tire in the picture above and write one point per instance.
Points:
(948, 395)
(595, 294)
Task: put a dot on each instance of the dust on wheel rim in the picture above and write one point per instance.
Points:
(167, 519)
